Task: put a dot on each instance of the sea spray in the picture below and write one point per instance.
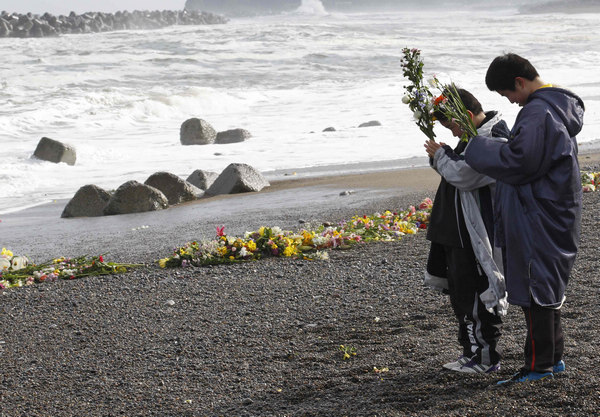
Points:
(312, 7)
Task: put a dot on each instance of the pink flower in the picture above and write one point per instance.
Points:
(221, 231)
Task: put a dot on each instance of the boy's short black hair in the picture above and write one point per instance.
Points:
(504, 69)
(468, 99)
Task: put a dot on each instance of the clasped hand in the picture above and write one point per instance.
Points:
(432, 146)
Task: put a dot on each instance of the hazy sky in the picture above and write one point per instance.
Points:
(80, 6)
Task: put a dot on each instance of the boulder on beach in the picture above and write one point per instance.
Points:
(238, 178)
(177, 190)
(232, 136)
(370, 124)
(134, 197)
(329, 129)
(202, 179)
(89, 201)
(55, 151)
(196, 131)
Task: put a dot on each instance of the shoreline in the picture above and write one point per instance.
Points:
(40, 233)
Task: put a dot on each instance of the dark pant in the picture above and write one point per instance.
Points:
(544, 345)
(478, 329)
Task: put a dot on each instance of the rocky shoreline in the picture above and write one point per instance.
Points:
(28, 25)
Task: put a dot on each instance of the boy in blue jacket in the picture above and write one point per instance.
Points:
(537, 210)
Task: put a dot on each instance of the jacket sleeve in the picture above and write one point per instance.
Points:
(519, 161)
(457, 172)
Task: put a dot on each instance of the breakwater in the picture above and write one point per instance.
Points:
(38, 26)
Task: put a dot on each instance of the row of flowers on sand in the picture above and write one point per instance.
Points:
(303, 244)
(590, 181)
(18, 271)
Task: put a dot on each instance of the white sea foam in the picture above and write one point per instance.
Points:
(313, 7)
(120, 97)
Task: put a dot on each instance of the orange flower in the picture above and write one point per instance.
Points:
(439, 100)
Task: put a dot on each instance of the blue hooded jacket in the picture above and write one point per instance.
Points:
(537, 212)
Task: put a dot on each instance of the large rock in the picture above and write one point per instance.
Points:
(133, 197)
(197, 132)
(55, 151)
(174, 188)
(202, 179)
(238, 178)
(370, 124)
(88, 201)
(232, 136)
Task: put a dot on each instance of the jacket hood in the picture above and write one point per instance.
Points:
(566, 104)
(491, 119)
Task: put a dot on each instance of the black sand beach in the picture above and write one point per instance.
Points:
(262, 338)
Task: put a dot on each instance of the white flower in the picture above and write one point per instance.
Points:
(320, 240)
(406, 99)
(433, 81)
(19, 262)
(4, 263)
(417, 114)
(321, 255)
(276, 231)
(243, 252)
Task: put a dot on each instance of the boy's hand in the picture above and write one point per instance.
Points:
(432, 146)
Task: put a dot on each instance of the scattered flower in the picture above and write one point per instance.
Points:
(347, 351)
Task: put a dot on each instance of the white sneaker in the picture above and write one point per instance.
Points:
(461, 361)
(472, 367)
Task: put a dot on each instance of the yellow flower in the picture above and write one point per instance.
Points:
(163, 262)
(251, 245)
(289, 251)
(6, 253)
(261, 231)
(222, 250)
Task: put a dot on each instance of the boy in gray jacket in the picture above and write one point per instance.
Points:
(462, 260)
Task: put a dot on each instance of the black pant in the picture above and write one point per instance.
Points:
(545, 343)
(478, 329)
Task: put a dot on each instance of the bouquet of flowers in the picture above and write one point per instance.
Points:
(452, 107)
(418, 97)
(423, 103)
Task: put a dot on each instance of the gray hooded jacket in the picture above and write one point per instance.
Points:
(467, 181)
